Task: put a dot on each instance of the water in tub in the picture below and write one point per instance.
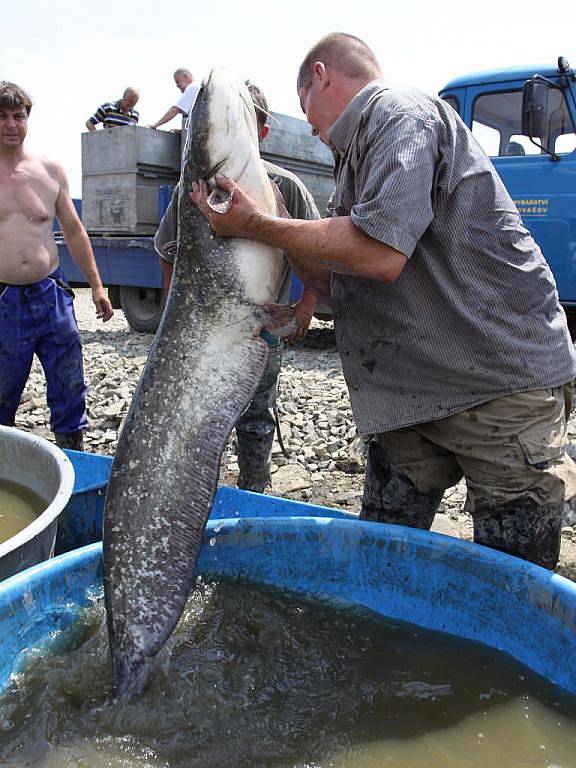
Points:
(19, 506)
(256, 678)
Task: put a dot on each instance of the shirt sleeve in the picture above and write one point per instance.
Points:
(299, 202)
(187, 99)
(394, 181)
(99, 116)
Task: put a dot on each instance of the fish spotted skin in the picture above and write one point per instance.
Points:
(202, 371)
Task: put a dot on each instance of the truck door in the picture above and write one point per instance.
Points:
(543, 190)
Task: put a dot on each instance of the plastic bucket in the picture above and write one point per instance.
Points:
(431, 580)
(40, 466)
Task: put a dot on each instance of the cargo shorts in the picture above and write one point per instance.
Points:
(507, 449)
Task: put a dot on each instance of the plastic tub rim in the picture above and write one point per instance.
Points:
(59, 501)
(550, 597)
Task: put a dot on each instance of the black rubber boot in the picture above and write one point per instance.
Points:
(522, 528)
(72, 441)
(391, 497)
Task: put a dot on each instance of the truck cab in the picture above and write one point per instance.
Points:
(525, 118)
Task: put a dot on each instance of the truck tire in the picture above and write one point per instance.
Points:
(571, 317)
(143, 307)
(114, 296)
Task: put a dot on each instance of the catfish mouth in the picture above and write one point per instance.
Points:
(200, 125)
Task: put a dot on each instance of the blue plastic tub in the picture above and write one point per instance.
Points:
(434, 581)
(81, 522)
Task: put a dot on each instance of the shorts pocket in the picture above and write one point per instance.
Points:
(65, 287)
(543, 447)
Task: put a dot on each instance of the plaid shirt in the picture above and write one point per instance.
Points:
(475, 314)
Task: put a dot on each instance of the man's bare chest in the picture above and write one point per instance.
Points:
(28, 192)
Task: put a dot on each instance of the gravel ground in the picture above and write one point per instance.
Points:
(316, 421)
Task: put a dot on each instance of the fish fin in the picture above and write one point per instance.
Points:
(278, 319)
(141, 579)
(130, 672)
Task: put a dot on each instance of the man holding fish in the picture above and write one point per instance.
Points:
(453, 343)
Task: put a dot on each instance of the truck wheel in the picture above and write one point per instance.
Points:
(571, 317)
(114, 296)
(142, 307)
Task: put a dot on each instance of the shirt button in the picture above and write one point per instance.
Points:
(337, 315)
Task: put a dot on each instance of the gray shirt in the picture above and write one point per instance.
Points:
(475, 314)
(299, 204)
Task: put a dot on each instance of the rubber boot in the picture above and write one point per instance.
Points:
(255, 430)
(523, 528)
(254, 461)
(391, 497)
(72, 441)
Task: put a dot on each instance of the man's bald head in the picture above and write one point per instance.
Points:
(131, 93)
(129, 98)
(183, 71)
(183, 77)
(344, 53)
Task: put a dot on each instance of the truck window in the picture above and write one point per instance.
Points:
(496, 123)
(453, 101)
(561, 132)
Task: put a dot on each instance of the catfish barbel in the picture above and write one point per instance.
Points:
(202, 371)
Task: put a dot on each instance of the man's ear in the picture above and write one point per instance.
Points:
(320, 73)
(263, 132)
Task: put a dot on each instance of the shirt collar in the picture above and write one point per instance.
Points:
(342, 130)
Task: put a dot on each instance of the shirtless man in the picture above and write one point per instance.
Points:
(36, 305)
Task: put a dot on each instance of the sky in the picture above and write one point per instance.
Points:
(72, 55)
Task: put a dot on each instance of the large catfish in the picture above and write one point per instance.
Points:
(202, 372)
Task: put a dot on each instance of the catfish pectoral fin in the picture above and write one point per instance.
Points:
(161, 490)
(278, 319)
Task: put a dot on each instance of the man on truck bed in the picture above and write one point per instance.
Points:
(114, 114)
(185, 84)
(255, 427)
(454, 346)
(36, 306)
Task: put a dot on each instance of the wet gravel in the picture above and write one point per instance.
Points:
(323, 465)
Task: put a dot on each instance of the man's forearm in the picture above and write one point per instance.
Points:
(330, 245)
(166, 117)
(167, 269)
(313, 279)
(81, 251)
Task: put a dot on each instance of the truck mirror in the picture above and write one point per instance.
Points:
(535, 108)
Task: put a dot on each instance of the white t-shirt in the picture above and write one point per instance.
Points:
(187, 99)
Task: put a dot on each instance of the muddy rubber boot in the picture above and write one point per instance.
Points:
(254, 461)
(522, 528)
(391, 497)
(72, 441)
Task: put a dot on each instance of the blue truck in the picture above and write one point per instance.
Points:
(525, 119)
(128, 175)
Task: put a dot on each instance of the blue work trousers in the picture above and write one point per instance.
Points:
(39, 319)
